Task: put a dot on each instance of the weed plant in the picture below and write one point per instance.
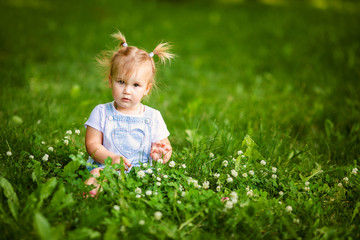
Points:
(262, 104)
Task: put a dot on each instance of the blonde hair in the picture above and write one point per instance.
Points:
(126, 60)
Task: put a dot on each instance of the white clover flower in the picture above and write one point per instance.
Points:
(141, 174)
(216, 175)
(160, 161)
(183, 165)
(229, 179)
(229, 204)
(145, 165)
(38, 122)
(218, 188)
(281, 193)
(43, 142)
(233, 195)
(211, 155)
(250, 193)
(296, 220)
(138, 190)
(77, 131)
(251, 172)
(45, 157)
(234, 173)
(263, 162)
(178, 202)
(225, 163)
(138, 196)
(148, 193)
(194, 181)
(181, 188)
(289, 208)
(158, 169)
(247, 188)
(171, 164)
(307, 184)
(31, 156)
(116, 207)
(156, 193)
(158, 179)
(307, 189)
(165, 176)
(141, 222)
(51, 149)
(149, 171)
(280, 202)
(274, 169)
(244, 166)
(66, 142)
(243, 156)
(158, 184)
(8, 153)
(274, 176)
(68, 132)
(158, 215)
(340, 185)
(206, 185)
(354, 171)
(244, 175)
(346, 179)
(239, 152)
(234, 200)
(265, 174)
(67, 137)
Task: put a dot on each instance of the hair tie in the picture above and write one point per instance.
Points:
(151, 54)
(125, 44)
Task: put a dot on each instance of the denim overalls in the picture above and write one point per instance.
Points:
(129, 136)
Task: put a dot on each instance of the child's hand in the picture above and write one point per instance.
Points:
(159, 151)
(117, 160)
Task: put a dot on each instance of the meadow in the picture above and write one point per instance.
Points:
(262, 103)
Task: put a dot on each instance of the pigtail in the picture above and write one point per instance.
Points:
(119, 36)
(162, 51)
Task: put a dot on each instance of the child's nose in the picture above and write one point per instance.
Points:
(126, 89)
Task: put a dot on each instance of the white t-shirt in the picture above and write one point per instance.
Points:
(159, 130)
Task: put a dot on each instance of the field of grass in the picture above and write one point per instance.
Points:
(262, 103)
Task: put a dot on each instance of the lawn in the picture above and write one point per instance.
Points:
(262, 103)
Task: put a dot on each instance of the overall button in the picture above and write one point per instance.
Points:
(147, 120)
(110, 118)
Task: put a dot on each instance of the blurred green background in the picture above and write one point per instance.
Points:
(285, 72)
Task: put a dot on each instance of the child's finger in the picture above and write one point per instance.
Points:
(127, 163)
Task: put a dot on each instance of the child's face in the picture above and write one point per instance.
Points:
(128, 93)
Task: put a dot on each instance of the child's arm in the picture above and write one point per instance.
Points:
(93, 143)
(161, 149)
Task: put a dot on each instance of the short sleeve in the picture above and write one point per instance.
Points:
(97, 118)
(159, 130)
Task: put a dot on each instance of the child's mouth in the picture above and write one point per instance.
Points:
(125, 99)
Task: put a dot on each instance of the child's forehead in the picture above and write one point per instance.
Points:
(140, 74)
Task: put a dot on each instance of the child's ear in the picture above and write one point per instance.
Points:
(149, 86)
(110, 81)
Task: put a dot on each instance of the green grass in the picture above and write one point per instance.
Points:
(279, 82)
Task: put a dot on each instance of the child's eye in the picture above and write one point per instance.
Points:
(137, 85)
(121, 81)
